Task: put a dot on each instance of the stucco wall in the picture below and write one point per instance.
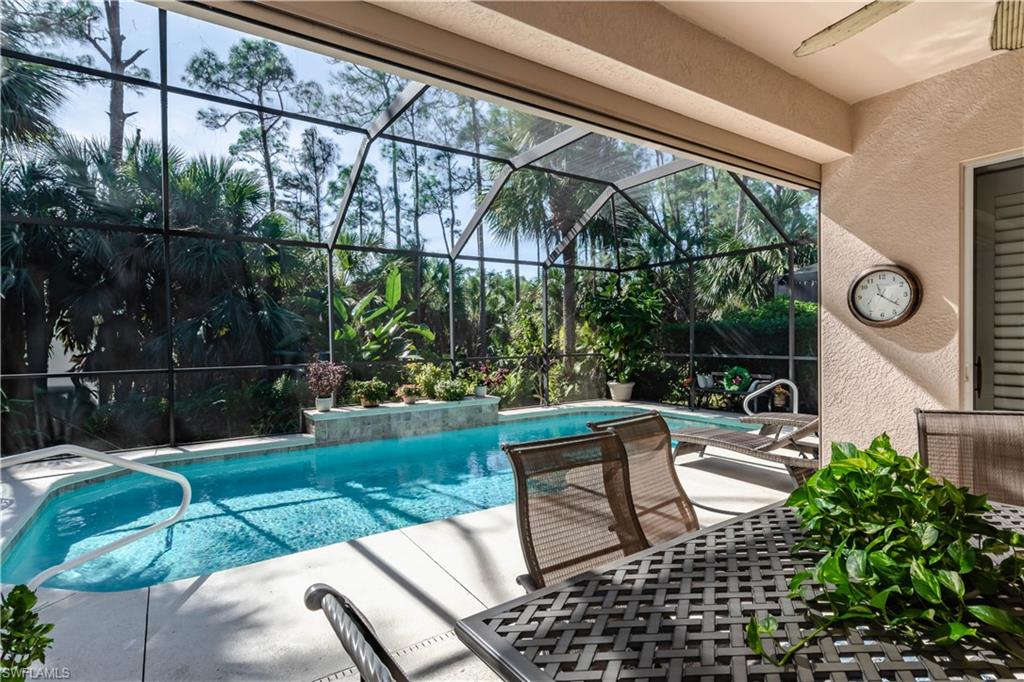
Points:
(897, 198)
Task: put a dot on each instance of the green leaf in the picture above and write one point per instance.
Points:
(857, 565)
(952, 581)
(926, 585)
(964, 555)
(879, 600)
(754, 636)
(998, 618)
(393, 290)
(948, 633)
(841, 451)
(926, 533)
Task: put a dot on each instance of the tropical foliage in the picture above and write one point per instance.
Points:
(229, 270)
(896, 546)
(24, 639)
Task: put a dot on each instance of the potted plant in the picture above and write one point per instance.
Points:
(475, 380)
(902, 551)
(324, 378)
(495, 378)
(450, 390)
(370, 393)
(409, 393)
(623, 320)
(780, 396)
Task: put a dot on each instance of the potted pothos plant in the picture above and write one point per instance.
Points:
(622, 317)
(900, 549)
(324, 378)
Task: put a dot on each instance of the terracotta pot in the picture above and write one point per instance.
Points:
(324, 404)
(410, 399)
(621, 392)
(369, 403)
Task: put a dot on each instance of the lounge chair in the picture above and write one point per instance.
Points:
(664, 510)
(356, 634)
(983, 451)
(573, 506)
(764, 445)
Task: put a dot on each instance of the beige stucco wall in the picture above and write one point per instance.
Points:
(897, 198)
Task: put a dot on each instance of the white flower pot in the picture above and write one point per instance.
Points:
(621, 392)
(705, 381)
(324, 404)
(480, 391)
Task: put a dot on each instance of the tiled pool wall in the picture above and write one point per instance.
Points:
(396, 420)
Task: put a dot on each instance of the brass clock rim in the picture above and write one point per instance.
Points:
(903, 271)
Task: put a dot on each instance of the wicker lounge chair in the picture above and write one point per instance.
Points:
(760, 445)
(664, 510)
(356, 634)
(983, 451)
(573, 506)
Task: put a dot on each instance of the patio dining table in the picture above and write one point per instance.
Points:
(680, 609)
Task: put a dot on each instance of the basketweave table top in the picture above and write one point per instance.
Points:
(679, 609)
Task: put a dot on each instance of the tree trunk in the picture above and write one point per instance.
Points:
(37, 354)
(116, 63)
(741, 211)
(396, 192)
(268, 166)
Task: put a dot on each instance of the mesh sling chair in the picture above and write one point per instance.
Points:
(573, 506)
(983, 451)
(664, 510)
(800, 466)
(357, 637)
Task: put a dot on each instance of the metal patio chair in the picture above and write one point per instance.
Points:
(573, 505)
(982, 451)
(356, 635)
(662, 506)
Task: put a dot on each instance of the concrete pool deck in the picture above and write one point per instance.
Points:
(249, 622)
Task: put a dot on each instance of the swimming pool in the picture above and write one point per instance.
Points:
(252, 508)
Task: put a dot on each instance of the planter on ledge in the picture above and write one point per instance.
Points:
(324, 404)
(621, 392)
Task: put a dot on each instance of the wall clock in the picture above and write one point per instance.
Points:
(884, 295)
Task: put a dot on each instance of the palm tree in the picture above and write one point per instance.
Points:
(545, 206)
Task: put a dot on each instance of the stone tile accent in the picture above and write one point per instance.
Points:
(397, 420)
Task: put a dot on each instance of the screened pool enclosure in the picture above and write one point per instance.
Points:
(192, 213)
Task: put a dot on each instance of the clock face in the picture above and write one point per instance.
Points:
(884, 296)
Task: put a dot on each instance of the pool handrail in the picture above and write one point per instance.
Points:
(795, 402)
(115, 460)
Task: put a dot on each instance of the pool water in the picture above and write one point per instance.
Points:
(252, 508)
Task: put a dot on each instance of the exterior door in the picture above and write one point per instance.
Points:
(999, 287)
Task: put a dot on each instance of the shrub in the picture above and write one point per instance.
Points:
(427, 376)
(24, 639)
(372, 392)
(324, 378)
(450, 390)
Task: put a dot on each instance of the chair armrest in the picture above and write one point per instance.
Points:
(527, 583)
